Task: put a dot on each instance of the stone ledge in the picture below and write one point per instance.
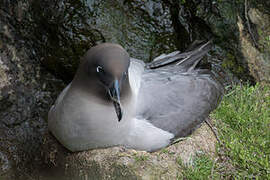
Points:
(122, 163)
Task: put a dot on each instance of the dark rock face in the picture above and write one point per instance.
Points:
(241, 29)
(26, 93)
(25, 98)
(60, 32)
(144, 29)
(41, 38)
(257, 51)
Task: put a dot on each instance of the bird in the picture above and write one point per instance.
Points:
(116, 100)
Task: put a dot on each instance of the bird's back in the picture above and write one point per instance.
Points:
(178, 98)
(177, 103)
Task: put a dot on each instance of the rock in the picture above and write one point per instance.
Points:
(25, 97)
(143, 28)
(121, 163)
(258, 54)
(60, 32)
(241, 29)
(26, 93)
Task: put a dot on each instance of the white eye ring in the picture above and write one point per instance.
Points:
(99, 68)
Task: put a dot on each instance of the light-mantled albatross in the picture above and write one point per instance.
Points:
(117, 100)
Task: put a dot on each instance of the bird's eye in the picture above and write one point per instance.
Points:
(103, 76)
(100, 69)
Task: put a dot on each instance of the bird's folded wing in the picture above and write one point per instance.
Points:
(176, 102)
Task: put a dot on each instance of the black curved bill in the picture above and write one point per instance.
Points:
(114, 93)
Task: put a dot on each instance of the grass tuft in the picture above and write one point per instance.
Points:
(141, 158)
(243, 121)
(202, 168)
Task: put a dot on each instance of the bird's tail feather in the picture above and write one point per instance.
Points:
(188, 60)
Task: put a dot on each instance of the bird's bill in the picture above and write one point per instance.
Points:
(114, 93)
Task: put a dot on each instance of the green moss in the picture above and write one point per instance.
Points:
(165, 150)
(231, 63)
(182, 1)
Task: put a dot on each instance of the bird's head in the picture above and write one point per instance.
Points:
(104, 70)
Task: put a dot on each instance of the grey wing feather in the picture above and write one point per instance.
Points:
(178, 103)
(178, 98)
(186, 60)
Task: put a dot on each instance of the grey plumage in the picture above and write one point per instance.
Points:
(177, 97)
(181, 108)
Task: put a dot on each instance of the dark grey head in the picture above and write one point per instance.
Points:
(104, 72)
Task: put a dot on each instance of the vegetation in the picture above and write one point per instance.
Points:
(141, 158)
(202, 168)
(243, 123)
